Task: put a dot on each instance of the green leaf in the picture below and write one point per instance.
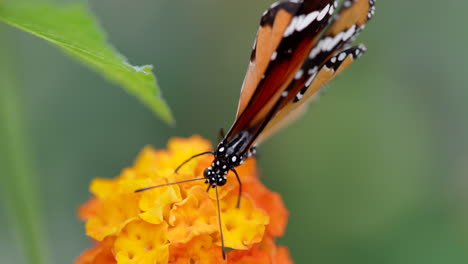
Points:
(73, 28)
(18, 177)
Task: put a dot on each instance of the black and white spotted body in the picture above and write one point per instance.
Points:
(226, 159)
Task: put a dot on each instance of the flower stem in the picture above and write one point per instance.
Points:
(16, 174)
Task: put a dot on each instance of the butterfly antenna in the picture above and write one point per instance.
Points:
(194, 156)
(223, 249)
(167, 184)
(240, 188)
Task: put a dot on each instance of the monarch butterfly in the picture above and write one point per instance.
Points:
(300, 46)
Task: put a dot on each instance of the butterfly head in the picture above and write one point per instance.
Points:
(215, 175)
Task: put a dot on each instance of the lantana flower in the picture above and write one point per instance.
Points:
(179, 223)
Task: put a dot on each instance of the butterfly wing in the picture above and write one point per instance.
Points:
(326, 60)
(288, 31)
(269, 35)
(336, 64)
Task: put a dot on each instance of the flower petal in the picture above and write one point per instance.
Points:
(142, 243)
(200, 250)
(194, 216)
(265, 199)
(156, 203)
(242, 227)
(113, 215)
(100, 254)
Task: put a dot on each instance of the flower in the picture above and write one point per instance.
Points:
(179, 223)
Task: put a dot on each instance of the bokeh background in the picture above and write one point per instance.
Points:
(375, 172)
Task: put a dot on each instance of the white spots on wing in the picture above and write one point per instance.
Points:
(347, 3)
(298, 74)
(221, 150)
(284, 94)
(327, 44)
(342, 56)
(332, 9)
(273, 56)
(274, 4)
(349, 33)
(290, 29)
(357, 52)
(299, 96)
(299, 23)
(305, 20)
(234, 159)
(362, 48)
(336, 60)
(316, 50)
(312, 70)
(371, 12)
(323, 13)
(309, 81)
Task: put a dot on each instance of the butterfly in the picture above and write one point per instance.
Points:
(300, 46)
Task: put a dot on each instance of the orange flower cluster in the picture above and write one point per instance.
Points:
(179, 223)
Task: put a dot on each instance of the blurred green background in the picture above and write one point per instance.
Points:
(375, 172)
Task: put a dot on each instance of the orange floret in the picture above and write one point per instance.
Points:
(265, 252)
(179, 223)
(100, 254)
(200, 250)
(142, 243)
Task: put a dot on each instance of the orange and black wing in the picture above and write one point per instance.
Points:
(287, 33)
(310, 92)
(326, 60)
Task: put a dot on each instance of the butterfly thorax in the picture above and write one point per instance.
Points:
(228, 155)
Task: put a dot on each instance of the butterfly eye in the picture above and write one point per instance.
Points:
(207, 173)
